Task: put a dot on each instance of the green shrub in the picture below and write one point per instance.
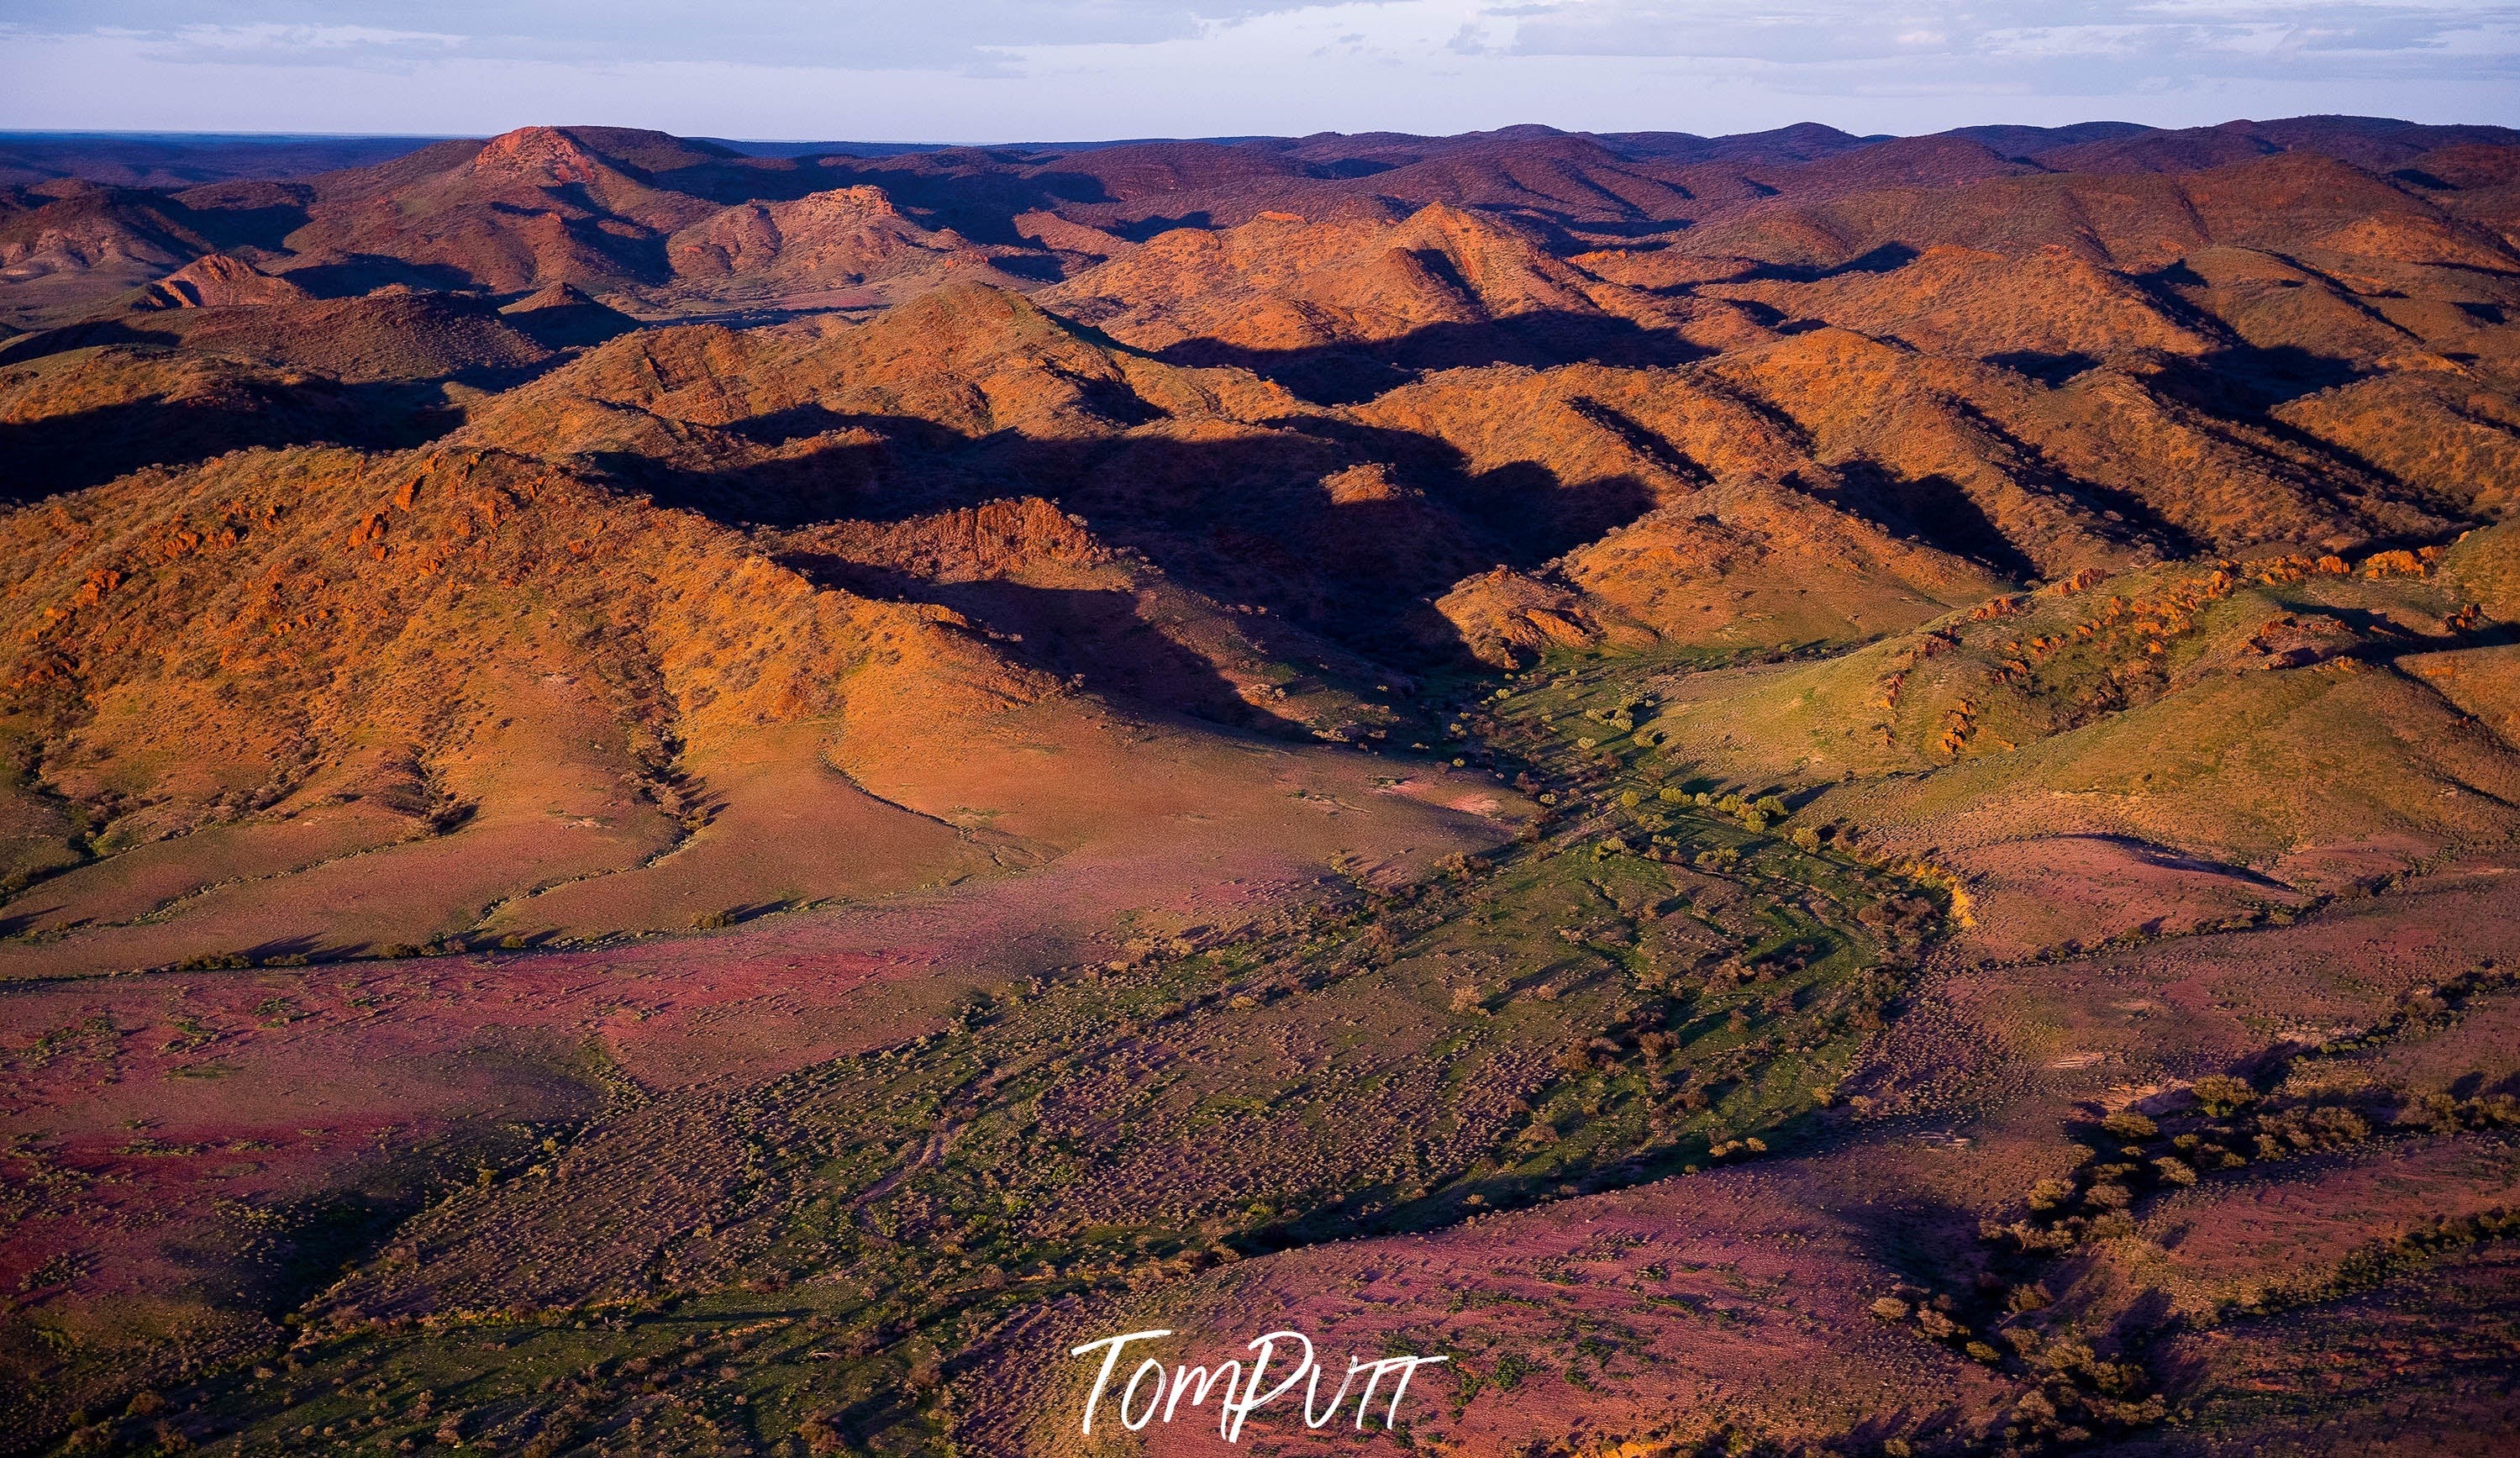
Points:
(2129, 1126)
(2222, 1093)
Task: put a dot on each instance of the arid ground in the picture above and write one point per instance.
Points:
(1788, 794)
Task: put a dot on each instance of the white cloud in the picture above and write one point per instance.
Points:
(2052, 42)
(306, 38)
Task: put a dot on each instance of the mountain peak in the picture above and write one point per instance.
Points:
(546, 156)
(214, 279)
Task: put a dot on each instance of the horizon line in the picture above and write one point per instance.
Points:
(139, 133)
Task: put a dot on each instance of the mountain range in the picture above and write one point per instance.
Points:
(1795, 793)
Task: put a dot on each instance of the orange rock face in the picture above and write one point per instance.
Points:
(216, 280)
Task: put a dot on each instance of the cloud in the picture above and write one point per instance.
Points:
(2199, 38)
(229, 40)
(981, 70)
(933, 34)
(274, 43)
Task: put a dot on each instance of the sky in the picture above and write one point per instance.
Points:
(990, 70)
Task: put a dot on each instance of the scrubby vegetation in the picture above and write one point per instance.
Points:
(1660, 978)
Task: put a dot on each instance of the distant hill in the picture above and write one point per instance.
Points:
(176, 159)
